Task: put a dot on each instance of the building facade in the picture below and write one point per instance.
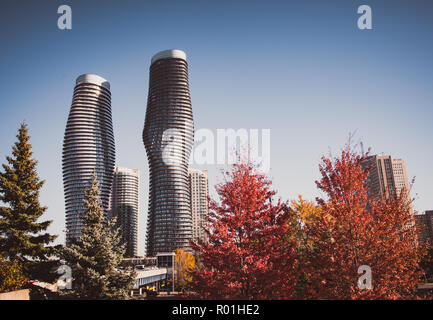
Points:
(124, 206)
(168, 137)
(424, 223)
(387, 177)
(199, 202)
(401, 180)
(88, 147)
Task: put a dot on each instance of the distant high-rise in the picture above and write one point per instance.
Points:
(88, 147)
(400, 176)
(424, 223)
(168, 137)
(124, 206)
(199, 202)
(387, 177)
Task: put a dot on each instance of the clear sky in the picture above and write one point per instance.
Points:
(300, 68)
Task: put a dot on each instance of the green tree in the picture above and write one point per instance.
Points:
(96, 256)
(22, 236)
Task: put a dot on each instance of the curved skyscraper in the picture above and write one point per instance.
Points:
(88, 146)
(168, 138)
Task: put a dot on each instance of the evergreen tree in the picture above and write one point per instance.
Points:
(95, 257)
(22, 237)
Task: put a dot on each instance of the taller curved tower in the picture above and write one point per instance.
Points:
(168, 138)
(88, 146)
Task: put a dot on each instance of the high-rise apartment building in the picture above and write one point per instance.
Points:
(199, 202)
(424, 223)
(400, 176)
(387, 177)
(124, 206)
(168, 137)
(88, 147)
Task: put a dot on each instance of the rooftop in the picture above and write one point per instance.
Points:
(167, 54)
(94, 79)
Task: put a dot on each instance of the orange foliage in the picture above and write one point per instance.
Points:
(355, 230)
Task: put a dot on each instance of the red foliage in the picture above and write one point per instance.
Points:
(247, 256)
(354, 230)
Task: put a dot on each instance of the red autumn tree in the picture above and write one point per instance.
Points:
(247, 255)
(355, 230)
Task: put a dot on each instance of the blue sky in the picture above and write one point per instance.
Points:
(300, 68)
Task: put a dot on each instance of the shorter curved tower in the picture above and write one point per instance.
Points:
(88, 146)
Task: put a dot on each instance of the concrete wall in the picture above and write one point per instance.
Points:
(16, 295)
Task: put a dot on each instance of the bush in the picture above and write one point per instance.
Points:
(11, 276)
